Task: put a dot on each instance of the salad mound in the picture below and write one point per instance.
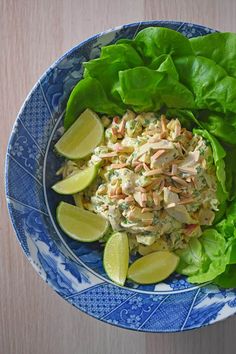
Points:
(157, 181)
(166, 171)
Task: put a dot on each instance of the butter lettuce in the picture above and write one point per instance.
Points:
(212, 87)
(207, 255)
(230, 170)
(218, 156)
(223, 126)
(228, 278)
(220, 47)
(145, 89)
(164, 63)
(89, 93)
(181, 76)
(211, 256)
(155, 41)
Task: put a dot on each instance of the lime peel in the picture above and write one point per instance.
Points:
(153, 267)
(77, 181)
(116, 257)
(82, 137)
(79, 224)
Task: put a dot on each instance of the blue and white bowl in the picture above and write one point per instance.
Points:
(74, 270)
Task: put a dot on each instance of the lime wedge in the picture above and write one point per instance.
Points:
(116, 257)
(153, 267)
(82, 137)
(80, 224)
(77, 181)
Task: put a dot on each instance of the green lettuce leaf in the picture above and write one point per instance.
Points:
(227, 227)
(145, 89)
(221, 126)
(165, 64)
(228, 278)
(209, 83)
(218, 156)
(230, 170)
(220, 47)
(180, 78)
(216, 267)
(231, 211)
(213, 243)
(204, 258)
(113, 58)
(155, 41)
(89, 93)
(191, 258)
(232, 259)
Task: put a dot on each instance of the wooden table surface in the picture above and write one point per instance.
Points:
(33, 319)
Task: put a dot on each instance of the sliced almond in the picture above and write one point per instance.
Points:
(157, 154)
(163, 135)
(144, 210)
(118, 196)
(114, 131)
(147, 222)
(162, 144)
(121, 129)
(149, 228)
(179, 149)
(174, 189)
(153, 184)
(108, 155)
(180, 181)
(156, 198)
(138, 198)
(157, 171)
(138, 167)
(189, 170)
(129, 199)
(162, 186)
(146, 168)
(171, 205)
(151, 132)
(135, 163)
(186, 201)
(163, 123)
(174, 169)
(119, 165)
(177, 130)
(140, 189)
(154, 139)
(144, 197)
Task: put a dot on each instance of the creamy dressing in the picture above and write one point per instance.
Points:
(156, 182)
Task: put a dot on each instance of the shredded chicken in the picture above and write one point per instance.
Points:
(157, 181)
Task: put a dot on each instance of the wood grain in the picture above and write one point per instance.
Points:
(33, 319)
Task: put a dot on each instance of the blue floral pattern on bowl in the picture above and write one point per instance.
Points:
(74, 270)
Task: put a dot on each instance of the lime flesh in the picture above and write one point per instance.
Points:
(153, 267)
(82, 137)
(116, 257)
(76, 182)
(80, 224)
